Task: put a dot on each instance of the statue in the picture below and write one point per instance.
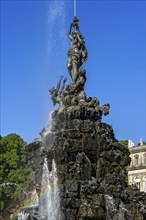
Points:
(130, 143)
(77, 53)
(74, 94)
(141, 142)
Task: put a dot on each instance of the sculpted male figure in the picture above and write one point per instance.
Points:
(55, 94)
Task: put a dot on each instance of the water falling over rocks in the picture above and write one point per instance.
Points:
(81, 154)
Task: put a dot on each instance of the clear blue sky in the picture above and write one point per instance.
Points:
(34, 53)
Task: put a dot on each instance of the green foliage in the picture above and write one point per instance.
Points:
(124, 142)
(14, 170)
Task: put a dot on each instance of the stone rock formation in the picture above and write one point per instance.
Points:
(91, 163)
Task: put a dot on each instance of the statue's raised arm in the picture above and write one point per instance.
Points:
(74, 25)
(69, 33)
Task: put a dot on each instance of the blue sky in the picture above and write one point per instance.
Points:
(34, 48)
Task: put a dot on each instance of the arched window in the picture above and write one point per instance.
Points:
(137, 182)
(136, 160)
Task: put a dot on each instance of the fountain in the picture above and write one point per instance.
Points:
(90, 162)
(81, 155)
(49, 196)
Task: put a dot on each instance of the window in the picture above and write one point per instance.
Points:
(137, 185)
(137, 182)
(136, 160)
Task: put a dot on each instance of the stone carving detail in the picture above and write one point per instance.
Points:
(74, 94)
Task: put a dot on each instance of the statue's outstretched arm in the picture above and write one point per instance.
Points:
(58, 84)
(63, 85)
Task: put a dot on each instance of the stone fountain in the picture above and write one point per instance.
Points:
(90, 163)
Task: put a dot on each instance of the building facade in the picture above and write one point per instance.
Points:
(137, 168)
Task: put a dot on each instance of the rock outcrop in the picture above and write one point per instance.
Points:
(91, 166)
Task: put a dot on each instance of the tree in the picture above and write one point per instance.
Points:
(14, 170)
(124, 142)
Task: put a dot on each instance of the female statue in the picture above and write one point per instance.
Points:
(77, 53)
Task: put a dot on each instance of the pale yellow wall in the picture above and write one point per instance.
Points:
(137, 171)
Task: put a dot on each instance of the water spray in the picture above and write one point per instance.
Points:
(75, 8)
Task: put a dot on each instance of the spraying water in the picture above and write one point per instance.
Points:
(115, 209)
(75, 8)
(110, 207)
(49, 202)
(22, 216)
(46, 130)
